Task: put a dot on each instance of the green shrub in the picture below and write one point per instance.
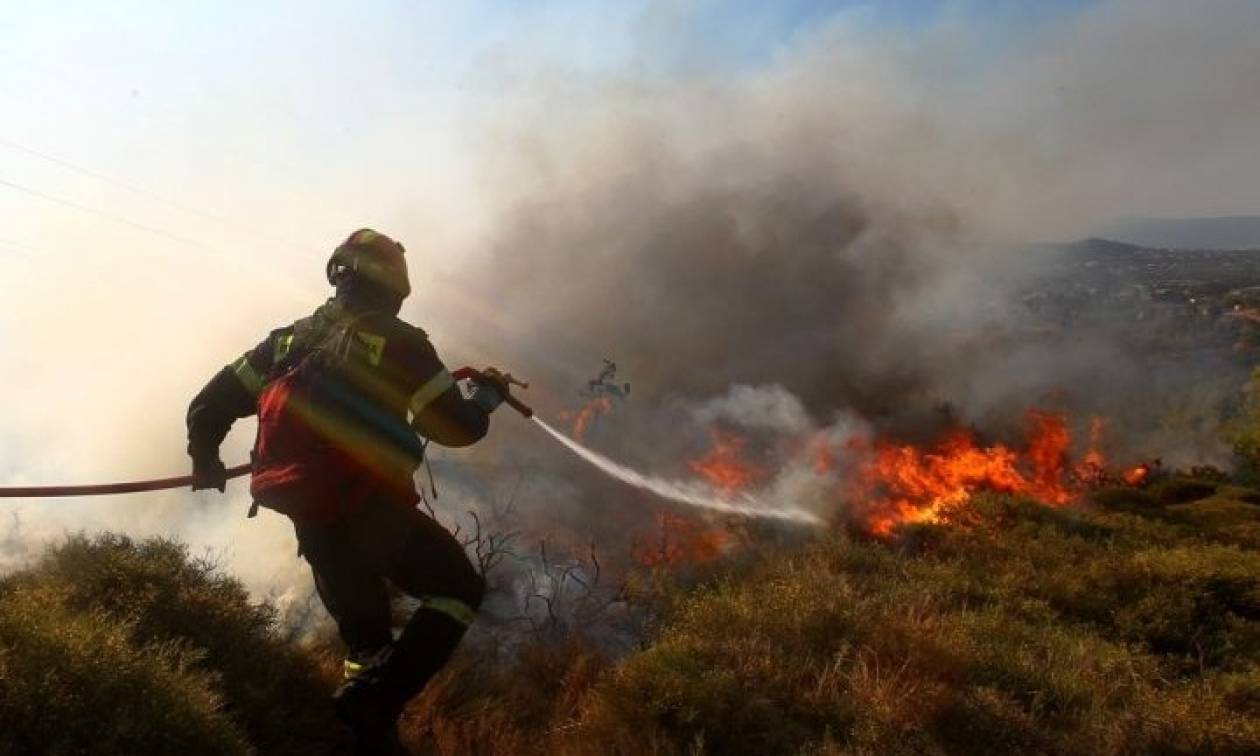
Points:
(1028, 629)
(1131, 625)
(1178, 489)
(74, 682)
(152, 598)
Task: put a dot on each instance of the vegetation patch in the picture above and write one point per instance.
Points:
(1130, 624)
(112, 646)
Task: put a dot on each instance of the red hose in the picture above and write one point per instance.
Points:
(100, 489)
(158, 484)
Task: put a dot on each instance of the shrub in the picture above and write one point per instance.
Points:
(150, 599)
(1129, 626)
(1027, 629)
(75, 682)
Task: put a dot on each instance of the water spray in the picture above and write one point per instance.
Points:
(691, 494)
(681, 492)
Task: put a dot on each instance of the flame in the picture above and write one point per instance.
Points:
(819, 454)
(584, 417)
(1137, 476)
(899, 484)
(679, 542)
(1092, 469)
(1097, 432)
(888, 484)
(723, 466)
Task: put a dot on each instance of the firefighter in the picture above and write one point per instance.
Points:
(347, 399)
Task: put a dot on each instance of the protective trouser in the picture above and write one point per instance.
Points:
(352, 560)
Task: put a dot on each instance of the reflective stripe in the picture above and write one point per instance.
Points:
(350, 668)
(453, 608)
(364, 236)
(374, 344)
(282, 346)
(249, 377)
(431, 390)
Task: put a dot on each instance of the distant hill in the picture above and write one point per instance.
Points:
(1233, 232)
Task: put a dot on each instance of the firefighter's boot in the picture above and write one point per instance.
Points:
(371, 702)
(374, 725)
(371, 719)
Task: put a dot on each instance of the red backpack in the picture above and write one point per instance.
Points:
(324, 447)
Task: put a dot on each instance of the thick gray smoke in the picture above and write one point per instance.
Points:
(850, 223)
(842, 223)
(845, 222)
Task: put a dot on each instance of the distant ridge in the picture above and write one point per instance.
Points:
(1091, 246)
(1230, 232)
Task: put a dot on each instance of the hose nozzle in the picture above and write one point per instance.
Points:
(500, 378)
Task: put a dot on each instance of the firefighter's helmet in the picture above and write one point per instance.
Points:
(372, 257)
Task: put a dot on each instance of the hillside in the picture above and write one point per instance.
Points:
(1129, 625)
(1228, 232)
(112, 646)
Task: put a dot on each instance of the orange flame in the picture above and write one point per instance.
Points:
(1093, 456)
(680, 542)
(1137, 476)
(585, 416)
(902, 484)
(1092, 469)
(819, 454)
(892, 484)
(723, 467)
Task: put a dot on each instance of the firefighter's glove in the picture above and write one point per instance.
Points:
(209, 472)
(490, 390)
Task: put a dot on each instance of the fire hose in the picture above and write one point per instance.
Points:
(179, 481)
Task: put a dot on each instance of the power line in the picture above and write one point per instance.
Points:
(21, 250)
(142, 192)
(253, 157)
(217, 255)
(168, 117)
(108, 216)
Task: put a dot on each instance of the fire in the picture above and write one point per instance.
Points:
(889, 484)
(723, 466)
(1093, 456)
(585, 416)
(679, 541)
(898, 484)
(1138, 476)
(1092, 469)
(821, 457)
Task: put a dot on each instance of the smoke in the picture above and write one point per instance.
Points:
(846, 221)
(826, 241)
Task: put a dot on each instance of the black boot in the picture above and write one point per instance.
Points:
(371, 702)
(373, 721)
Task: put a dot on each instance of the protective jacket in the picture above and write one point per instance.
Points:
(326, 446)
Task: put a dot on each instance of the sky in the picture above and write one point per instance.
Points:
(188, 149)
(173, 175)
(299, 119)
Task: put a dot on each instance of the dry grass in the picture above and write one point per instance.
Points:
(1130, 626)
(113, 646)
